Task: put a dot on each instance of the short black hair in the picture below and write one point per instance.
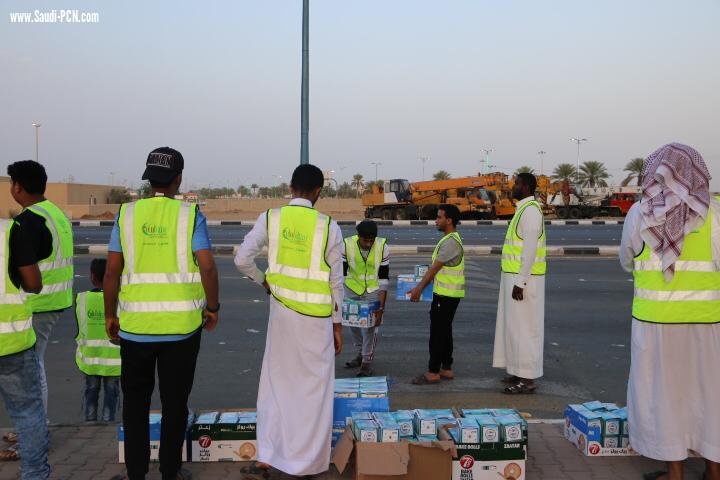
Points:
(529, 180)
(97, 268)
(367, 229)
(30, 175)
(307, 178)
(452, 212)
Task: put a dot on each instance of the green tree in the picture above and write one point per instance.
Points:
(357, 183)
(243, 191)
(525, 169)
(144, 190)
(635, 167)
(441, 175)
(345, 190)
(119, 195)
(593, 174)
(564, 171)
(254, 187)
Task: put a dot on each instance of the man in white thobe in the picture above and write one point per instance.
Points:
(520, 323)
(671, 243)
(295, 397)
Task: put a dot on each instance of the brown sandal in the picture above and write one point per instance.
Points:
(10, 437)
(423, 380)
(520, 388)
(9, 455)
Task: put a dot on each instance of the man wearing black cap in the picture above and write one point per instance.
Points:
(366, 266)
(162, 281)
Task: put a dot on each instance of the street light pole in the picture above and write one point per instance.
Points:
(486, 166)
(37, 141)
(578, 140)
(304, 94)
(542, 158)
(376, 169)
(423, 160)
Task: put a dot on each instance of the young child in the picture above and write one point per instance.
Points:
(96, 356)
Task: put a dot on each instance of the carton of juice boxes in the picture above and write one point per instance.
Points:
(359, 313)
(353, 395)
(598, 429)
(407, 282)
(154, 425)
(224, 436)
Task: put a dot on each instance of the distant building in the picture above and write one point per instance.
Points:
(191, 197)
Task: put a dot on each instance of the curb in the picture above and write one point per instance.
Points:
(470, 250)
(385, 223)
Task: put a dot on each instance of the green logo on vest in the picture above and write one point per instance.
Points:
(96, 314)
(294, 236)
(154, 230)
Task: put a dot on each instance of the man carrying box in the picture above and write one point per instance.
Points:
(448, 272)
(366, 266)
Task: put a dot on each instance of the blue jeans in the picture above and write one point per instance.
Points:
(43, 324)
(91, 394)
(20, 389)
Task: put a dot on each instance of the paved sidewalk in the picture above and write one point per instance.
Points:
(90, 452)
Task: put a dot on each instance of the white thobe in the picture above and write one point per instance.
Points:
(295, 397)
(520, 325)
(674, 383)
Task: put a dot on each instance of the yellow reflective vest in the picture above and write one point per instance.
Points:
(362, 274)
(513, 246)
(450, 281)
(95, 353)
(298, 275)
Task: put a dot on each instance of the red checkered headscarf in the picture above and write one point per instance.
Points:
(675, 200)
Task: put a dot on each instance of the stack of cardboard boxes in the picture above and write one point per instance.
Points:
(359, 313)
(598, 429)
(368, 394)
(407, 282)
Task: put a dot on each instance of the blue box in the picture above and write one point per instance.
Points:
(405, 283)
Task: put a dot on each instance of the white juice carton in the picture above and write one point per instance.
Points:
(489, 428)
(610, 424)
(404, 419)
(468, 430)
(510, 428)
(425, 423)
(366, 431)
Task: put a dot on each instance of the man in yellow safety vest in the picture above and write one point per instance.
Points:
(19, 366)
(448, 274)
(162, 281)
(304, 280)
(520, 323)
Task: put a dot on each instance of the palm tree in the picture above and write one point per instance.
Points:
(635, 167)
(564, 171)
(254, 188)
(441, 175)
(357, 182)
(593, 174)
(525, 169)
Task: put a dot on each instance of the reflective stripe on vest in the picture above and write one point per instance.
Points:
(362, 275)
(16, 332)
(693, 294)
(95, 353)
(298, 275)
(512, 250)
(450, 281)
(57, 269)
(161, 292)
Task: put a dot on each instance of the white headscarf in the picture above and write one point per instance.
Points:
(675, 200)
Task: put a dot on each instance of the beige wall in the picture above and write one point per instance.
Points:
(250, 208)
(73, 198)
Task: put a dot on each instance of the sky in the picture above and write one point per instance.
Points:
(390, 82)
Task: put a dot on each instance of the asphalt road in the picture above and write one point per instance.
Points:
(587, 351)
(425, 235)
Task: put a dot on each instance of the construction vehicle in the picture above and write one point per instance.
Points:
(572, 203)
(480, 197)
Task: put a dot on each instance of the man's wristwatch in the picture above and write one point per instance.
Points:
(213, 310)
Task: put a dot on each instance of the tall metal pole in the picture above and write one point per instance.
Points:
(578, 140)
(486, 166)
(37, 141)
(376, 169)
(304, 107)
(542, 155)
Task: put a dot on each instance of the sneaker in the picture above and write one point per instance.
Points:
(365, 370)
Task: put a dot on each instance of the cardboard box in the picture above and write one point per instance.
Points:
(154, 423)
(224, 436)
(359, 313)
(395, 461)
(354, 395)
(405, 283)
(421, 270)
(487, 461)
(587, 436)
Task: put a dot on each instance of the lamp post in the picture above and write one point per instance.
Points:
(37, 141)
(376, 169)
(423, 160)
(486, 165)
(279, 177)
(578, 140)
(542, 158)
(305, 85)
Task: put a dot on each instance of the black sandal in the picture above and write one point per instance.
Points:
(354, 363)
(654, 475)
(520, 388)
(254, 470)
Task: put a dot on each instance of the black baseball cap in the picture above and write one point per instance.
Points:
(163, 165)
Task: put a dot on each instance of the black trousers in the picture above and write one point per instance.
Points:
(442, 313)
(175, 370)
